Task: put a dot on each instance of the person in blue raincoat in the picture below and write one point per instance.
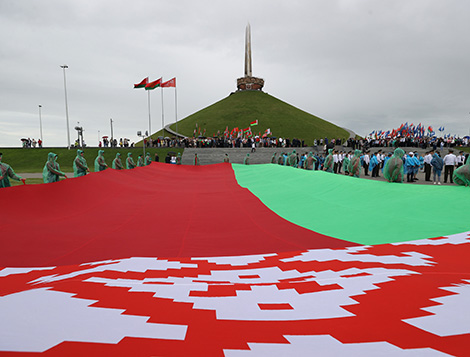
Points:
(373, 165)
(411, 163)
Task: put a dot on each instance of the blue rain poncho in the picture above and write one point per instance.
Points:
(393, 170)
(117, 164)
(51, 171)
(329, 161)
(80, 168)
(130, 164)
(437, 163)
(354, 168)
(7, 173)
(373, 162)
(100, 163)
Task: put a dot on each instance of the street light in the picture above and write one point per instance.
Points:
(143, 135)
(66, 107)
(40, 123)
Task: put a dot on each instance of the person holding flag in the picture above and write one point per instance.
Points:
(140, 161)
(354, 168)
(51, 171)
(329, 161)
(246, 161)
(196, 160)
(6, 172)
(80, 167)
(148, 159)
(117, 164)
(100, 163)
(130, 164)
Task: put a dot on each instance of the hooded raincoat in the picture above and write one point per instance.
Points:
(100, 163)
(354, 168)
(80, 167)
(117, 164)
(51, 171)
(329, 161)
(462, 174)
(393, 170)
(130, 164)
(6, 172)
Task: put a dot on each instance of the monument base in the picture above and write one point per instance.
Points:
(250, 83)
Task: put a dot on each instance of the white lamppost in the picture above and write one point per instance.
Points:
(66, 107)
(40, 122)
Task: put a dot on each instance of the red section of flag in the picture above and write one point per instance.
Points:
(170, 83)
(154, 84)
(142, 84)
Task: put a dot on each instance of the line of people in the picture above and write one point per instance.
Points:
(52, 172)
(394, 167)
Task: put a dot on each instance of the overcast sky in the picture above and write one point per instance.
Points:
(362, 64)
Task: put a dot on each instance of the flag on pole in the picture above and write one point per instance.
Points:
(170, 83)
(153, 85)
(142, 84)
(246, 130)
(253, 123)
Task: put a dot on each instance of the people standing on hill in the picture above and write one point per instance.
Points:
(100, 163)
(130, 164)
(80, 167)
(51, 171)
(450, 161)
(437, 165)
(117, 163)
(6, 172)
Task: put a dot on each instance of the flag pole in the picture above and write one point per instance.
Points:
(176, 110)
(163, 117)
(150, 121)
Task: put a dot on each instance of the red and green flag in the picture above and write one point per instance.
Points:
(253, 123)
(170, 83)
(142, 84)
(153, 85)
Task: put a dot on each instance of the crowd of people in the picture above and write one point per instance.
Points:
(394, 166)
(31, 143)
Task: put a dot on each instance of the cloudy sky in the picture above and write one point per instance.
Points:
(361, 64)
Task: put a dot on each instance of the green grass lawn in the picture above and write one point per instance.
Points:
(33, 160)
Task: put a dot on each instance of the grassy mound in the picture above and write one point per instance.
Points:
(241, 108)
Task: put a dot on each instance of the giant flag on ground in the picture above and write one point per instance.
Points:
(234, 260)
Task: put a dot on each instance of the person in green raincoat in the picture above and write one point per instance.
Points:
(117, 163)
(393, 170)
(196, 160)
(51, 171)
(246, 161)
(226, 159)
(354, 168)
(462, 174)
(130, 164)
(329, 161)
(80, 168)
(293, 159)
(178, 159)
(100, 163)
(273, 158)
(148, 159)
(6, 172)
(140, 161)
(309, 163)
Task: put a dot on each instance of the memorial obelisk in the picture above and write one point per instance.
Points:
(249, 82)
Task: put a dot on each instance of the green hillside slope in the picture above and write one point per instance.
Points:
(241, 108)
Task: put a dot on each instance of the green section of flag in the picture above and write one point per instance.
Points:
(358, 210)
